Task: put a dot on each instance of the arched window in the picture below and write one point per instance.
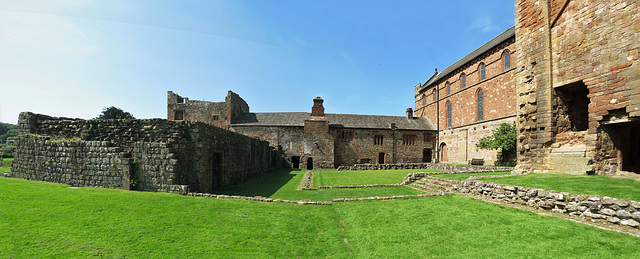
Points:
(506, 58)
(448, 88)
(482, 73)
(463, 81)
(424, 99)
(435, 94)
(448, 114)
(480, 105)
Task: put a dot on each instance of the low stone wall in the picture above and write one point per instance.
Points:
(434, 166)
(258, 198)
(359, 186)
(590, 207)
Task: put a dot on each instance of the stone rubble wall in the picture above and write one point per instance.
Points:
(434, 166)
(590, 207)
(76, 163)
(159, 155)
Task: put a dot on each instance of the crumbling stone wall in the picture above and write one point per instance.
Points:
(590, 207)
(214, 113)
(158, 155)
(592, 44)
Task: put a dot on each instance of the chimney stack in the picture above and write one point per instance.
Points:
(317, 109)
(409, 113)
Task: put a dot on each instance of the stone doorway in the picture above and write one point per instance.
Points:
(426, 155)
(310, 163)
(443, 152)
(627, 141)
(216, 170)
(381, 158)
(295, 162)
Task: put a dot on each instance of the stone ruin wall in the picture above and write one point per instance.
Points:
(218, 114)
(155, 154)
(576, 47)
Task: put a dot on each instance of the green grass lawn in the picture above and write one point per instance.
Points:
(49, 220)
(332, 177)
(283, 184)
(462, 177)
(628, 189)
(6, 165)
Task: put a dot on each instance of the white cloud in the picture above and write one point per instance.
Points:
(484, 24)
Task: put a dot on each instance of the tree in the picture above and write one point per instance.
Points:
(114, 113)
(6, 131)
(504, 140)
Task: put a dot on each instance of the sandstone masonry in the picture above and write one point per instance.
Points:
(578, 86)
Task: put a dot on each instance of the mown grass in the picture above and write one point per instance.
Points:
(628, 189)
(332, 177)
(462, 177)
(49, 220)
(6, 164)
(283, 184)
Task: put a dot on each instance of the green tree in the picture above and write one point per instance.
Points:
(504, 140)
(6, 131)
(114, 113)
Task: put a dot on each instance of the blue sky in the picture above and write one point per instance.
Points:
(71, 58)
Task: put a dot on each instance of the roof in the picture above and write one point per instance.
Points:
(296, 119)
(504, 36)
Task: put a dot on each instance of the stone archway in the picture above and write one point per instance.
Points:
(443, 153)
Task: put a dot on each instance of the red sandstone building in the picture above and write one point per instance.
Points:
(317, 140)
(470, 98)
(578, 85)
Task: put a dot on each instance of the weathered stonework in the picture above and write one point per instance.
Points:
(214, 113)
(578, 86)
(457, 141)
(149, 155)
(319, 140)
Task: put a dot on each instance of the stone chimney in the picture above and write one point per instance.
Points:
(409, 113)
(317, 109)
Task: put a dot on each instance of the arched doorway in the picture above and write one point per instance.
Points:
(310, 163)
(443, 152)
(426, 155)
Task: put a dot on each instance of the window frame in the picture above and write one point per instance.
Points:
(448, 85)
(463, 81)
(506, 59)
(480, 105)
(378, 140)
(482, 71)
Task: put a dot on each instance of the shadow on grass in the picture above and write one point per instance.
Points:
(265, 186)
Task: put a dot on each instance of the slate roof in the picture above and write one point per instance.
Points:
(296, 119)
(511, 32)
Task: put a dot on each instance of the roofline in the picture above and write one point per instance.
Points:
(502, 37)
